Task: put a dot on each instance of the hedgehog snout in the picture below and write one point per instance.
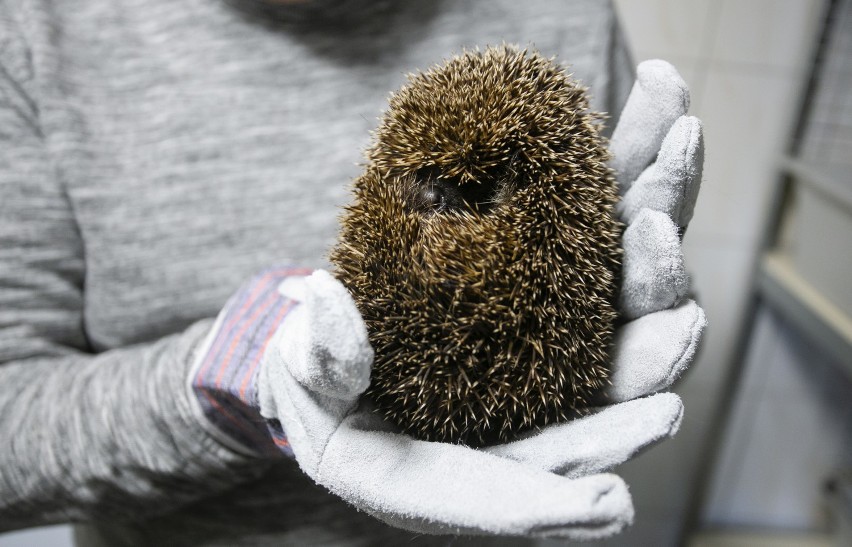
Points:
(439, 195)
(436, 193)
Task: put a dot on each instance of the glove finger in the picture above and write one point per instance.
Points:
(326, 345)
(440, 488)
(670, 185)
(600, 441)
(653, 274)
(651, 352)
(658, 98)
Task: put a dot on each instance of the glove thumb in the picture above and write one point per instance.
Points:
(325, 345)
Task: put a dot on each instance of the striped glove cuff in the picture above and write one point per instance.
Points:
(223, 378)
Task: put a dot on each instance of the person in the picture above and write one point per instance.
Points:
(154, 156)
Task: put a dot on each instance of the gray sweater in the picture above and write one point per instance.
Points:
(154, 154)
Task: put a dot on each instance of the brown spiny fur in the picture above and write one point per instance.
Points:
(495, 316)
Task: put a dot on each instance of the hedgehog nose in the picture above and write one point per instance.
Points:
(433, 196)
(439, 195)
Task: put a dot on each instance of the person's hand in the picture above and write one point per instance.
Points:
(312, 376)
(282, 373)
(308, 362)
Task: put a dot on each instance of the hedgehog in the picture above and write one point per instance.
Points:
(482, 249)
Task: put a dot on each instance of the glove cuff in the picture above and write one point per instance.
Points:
(223, 378)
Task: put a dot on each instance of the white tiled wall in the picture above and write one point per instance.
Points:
(744, 62)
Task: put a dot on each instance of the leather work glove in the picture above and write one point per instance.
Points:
(285, 365)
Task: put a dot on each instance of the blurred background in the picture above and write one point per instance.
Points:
(767, 434)
(765, 450)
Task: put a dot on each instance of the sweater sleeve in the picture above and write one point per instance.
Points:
(84, 436)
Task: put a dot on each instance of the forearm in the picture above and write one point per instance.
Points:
(107, 437)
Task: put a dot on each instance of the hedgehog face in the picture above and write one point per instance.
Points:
(431, 193)
(482, 250)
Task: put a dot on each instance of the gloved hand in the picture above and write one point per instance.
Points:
(289, 356)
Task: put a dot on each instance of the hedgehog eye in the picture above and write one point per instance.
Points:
(433, 196)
